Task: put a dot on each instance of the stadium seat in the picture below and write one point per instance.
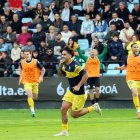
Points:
(83, 44)
(82, 18)
(27, 20)
(135, 1)
(111, 71)
(130, 7)
(77, 8)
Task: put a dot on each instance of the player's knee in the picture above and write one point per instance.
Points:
(63, 109)
(134, 94)
(74, 115)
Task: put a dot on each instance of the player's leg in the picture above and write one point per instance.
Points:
(91, 91)
(97, 88)
(133, 87)
(66, 105)
(35, 96)
(28, 90)
(78, 109)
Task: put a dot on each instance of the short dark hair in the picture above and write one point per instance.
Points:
(68, 50)
(28, 50)
(133, 44)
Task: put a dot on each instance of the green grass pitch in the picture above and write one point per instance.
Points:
(115, 124)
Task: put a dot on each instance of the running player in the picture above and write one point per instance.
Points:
(132, 65)
(31, 73)
(75, 96)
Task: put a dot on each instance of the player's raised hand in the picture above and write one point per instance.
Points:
(40, 79)
(62, 62)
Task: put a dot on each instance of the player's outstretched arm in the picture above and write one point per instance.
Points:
(20, 77)
(42, 75)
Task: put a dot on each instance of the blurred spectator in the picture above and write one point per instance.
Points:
(15, 56)
(72, 44)
(135, 39)
(35, 55)
(16, 24)
(5, 47)
(75, 24)
(3, 25)
(122, 11)
(38, 13)
(59, 44)
(100, 27)
(109, 34)
(50, 62)
(133, 22)
(75, 36)
(8, 14)
(118, 21)
(22, 56)
(6, 64)
(31, 3)
(107, 12)
(51, 36)
(115, 49)
(66, 34)
(67, 11)
(53, 10)
(16, 7)
(87, 28)
(58, 23)
(42, 50)
(126, 33)
(24, 36)
(38, 36)
(136, 12)
(9, 36)
(92, 11)
(96, 44)
(96, 4)
(29, 45)
(46, 23)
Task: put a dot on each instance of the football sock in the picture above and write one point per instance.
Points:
(64, 127)
(31, 104)
(90, 108)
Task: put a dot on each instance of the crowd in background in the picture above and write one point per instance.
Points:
(47, 26)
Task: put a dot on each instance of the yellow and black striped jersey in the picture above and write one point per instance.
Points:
(74, 73)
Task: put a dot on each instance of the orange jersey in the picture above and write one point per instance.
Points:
(93, 67)
(30, 71)
(133, 68)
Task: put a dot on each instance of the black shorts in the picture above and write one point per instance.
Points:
(93, 81)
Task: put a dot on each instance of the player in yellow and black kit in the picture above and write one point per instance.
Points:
(75, 96)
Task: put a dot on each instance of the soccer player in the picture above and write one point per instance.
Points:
(75, 96)
(132, 65)
(93, 70)
(31, 74)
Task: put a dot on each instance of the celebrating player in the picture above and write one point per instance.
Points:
(75, 96)
(132, 65)
(31, 73)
